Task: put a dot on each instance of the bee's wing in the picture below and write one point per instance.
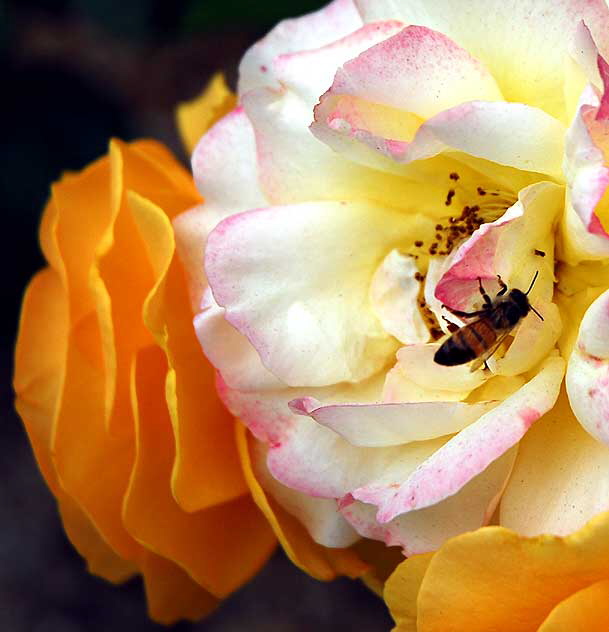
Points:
(481, 359)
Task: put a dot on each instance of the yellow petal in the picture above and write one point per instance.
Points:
(220, 547)
(206, 470)
(171, 593)
(195, 117)
(402, 589)
(316, 560)
(585, 611)
(494, 579)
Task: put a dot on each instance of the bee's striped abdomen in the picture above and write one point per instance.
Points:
(466, 343)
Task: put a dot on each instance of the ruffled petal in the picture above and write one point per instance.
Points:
(510, 134)
(227, 191)
(230, 352)
(383, 425)
(296, 167)
(546, 25)
(306, 310)
(220, 560)
(401, 591)
(427, 529)
(588, 371)
(587, 610)
(309, 73)
(171, 594)
(561, 477)
(334, 21)
(535, 574)
(205, 448)
(318, 561)
(469, 452)
(195, 117)
(320, 516)
(394, 293)
(582, 231)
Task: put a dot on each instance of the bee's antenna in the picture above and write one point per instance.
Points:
(531, 287)
(536, 312)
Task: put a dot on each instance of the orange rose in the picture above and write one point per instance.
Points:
(119, 402)
(494, 579)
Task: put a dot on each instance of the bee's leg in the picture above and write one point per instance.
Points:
(488, 303)
(458, 312)
(504, 287)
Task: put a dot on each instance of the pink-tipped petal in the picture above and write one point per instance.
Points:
(295, 167)
(226, 191)
(471, 451)
(320, 516)
(334, 21)
(582, 234)
(309, 73)
(588, 371)
(230, 351)
(479, 25)
(427, 529)
(299, 293)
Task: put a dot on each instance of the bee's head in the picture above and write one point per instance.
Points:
(521, 301)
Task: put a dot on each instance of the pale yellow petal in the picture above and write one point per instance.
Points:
(195, 117)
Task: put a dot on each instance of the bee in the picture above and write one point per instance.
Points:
(479, 339)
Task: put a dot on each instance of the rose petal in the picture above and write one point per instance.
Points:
(382, 425)
(535, 574)
(320, 516)
(468, 453)
(227, 191)
(588, 371)
(582, 235)
(336, 20)
(586, 610)
(314, 171)
(394, 295)
(561, 477)
(309, 73)
(509, 134)
(427, 529)
(195, 117)
(318, 561)
(306, 310)
(479, 26)
(230, 351)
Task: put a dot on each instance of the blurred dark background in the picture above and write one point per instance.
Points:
(75, 73)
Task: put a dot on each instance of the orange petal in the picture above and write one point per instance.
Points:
(101, 559)
(39, 363)
(584, 611)
(203, 428)
(494, 579)
(316, 560)
(171, 594)
(220, 547)
(93, 466)
(195, 117)
(402, 589)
